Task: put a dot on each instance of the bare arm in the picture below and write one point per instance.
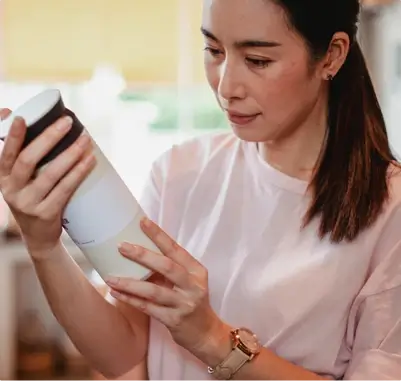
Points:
(184, 308)
(139, 373)
(112, 337)
(266, 366)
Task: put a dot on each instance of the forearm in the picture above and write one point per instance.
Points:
(97, 328)
(140, 372)
(266, 366)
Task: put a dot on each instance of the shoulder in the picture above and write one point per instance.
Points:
(392, 208)
(383, 241)
(194, 154)
(386, 233)
(197, 163)
(202, 147)
(394, 181)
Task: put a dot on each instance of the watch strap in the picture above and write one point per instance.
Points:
(230, 365)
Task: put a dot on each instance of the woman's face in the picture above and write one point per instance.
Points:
(259, 69)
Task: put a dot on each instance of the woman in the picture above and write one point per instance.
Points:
(284, 228)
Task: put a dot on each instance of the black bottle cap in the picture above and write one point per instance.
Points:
(39, 113)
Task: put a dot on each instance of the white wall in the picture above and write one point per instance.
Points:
(387, 41)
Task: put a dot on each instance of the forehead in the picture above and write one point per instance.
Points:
(238, 19)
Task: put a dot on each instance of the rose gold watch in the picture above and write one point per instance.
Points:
(245, 347)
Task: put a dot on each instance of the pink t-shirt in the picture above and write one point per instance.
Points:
(333, 309)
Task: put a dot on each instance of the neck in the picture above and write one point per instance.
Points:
(297, 153)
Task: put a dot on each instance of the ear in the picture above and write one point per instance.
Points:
(336, 55)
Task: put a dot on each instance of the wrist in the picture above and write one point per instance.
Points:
(45, 253)
(217, 346)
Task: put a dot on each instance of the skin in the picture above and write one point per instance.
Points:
(280, 83)
(288, 94)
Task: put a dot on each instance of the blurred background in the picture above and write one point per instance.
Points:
(132, 70)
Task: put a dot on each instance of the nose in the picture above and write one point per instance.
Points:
(231, 85)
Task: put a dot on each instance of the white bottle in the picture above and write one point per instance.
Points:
(102, 212)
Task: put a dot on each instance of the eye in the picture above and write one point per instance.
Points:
(258, 63)
(212, 51)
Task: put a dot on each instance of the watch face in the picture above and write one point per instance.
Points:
(249, 339)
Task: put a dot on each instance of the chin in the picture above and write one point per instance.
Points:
(252, 134)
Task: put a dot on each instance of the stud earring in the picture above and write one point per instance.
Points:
(329, 77)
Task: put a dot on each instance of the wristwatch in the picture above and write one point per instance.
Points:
(245, 346)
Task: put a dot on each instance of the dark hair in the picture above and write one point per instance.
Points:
(350, 182)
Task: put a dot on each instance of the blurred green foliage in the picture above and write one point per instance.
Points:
(204, 109)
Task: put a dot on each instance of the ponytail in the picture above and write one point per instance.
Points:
(350, 183)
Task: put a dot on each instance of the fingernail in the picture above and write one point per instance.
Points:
(65, 123)
(111, 280)
(116, 294)
(17, 126)
(83, 141)
(4, 113)
(89, 160)
(125, 247)
(146, 222)
(19, 119)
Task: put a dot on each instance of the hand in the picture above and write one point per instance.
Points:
(180, 300)
(37, 200)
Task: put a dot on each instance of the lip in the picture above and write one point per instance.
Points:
(240, 119)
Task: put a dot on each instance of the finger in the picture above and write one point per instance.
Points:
(4, 113)
(51, 175)
(12, 146)
(145, 290)
(168, 246)
(28, 159)
(161, 264)
(164, 314)
(159, 280)
(57, 199)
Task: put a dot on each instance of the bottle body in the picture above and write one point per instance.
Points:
(103, 213)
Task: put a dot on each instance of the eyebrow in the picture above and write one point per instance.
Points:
(244, 43)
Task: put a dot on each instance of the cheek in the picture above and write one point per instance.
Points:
(287, 97)
(286, 78)
(212, 72)
(284, 86)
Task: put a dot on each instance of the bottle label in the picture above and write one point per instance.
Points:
(100, 213)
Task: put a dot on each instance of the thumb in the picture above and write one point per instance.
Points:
(4, 113)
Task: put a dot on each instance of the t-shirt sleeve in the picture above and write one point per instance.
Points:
(376, 327)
